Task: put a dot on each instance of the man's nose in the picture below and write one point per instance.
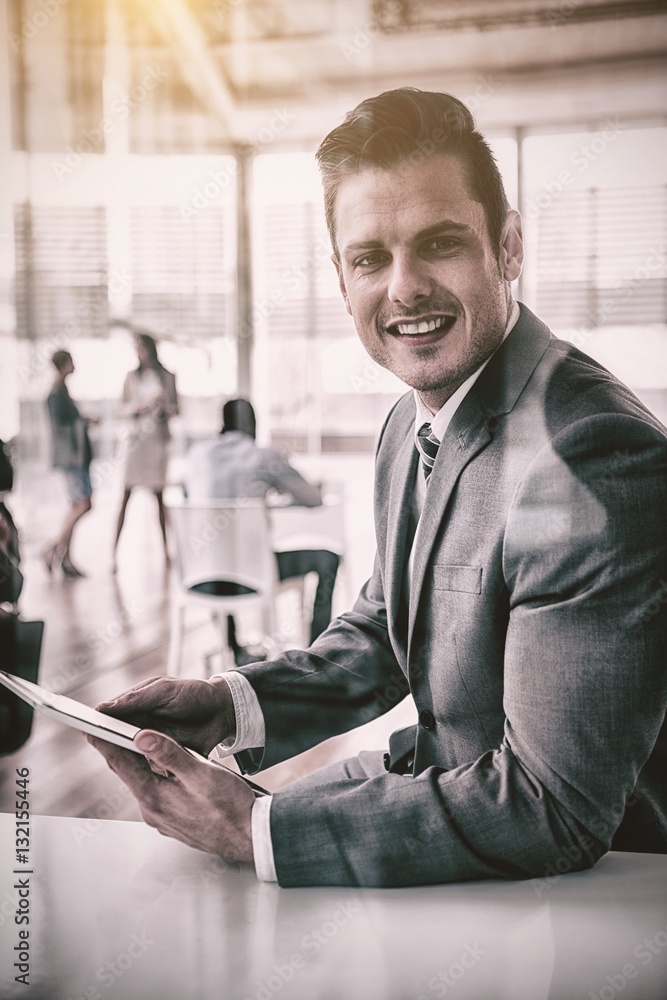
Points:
(409, 280)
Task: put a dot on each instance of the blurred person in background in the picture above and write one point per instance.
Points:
(149, 401)
(233, 465)
(11, 579)
(72, 452)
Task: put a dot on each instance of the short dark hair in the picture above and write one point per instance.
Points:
(408, 124)
(59, 359)
(238, 415)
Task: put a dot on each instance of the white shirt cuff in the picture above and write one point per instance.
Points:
(250, 731)
(261, 839)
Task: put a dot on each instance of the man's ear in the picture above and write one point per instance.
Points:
(511, 247)
(341, 281)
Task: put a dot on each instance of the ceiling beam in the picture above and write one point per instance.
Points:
(485, 15)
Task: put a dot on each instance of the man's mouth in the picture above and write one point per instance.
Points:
(424, 325)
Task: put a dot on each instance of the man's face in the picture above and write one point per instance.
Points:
(427, 290)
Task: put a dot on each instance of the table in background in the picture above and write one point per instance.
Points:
(117, 911)
(323, 527)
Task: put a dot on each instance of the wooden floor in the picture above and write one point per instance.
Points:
(109, 631)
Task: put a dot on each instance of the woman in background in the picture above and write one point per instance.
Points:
(72, 453)
(149, 400)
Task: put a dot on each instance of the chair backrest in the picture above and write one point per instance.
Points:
(224, 540)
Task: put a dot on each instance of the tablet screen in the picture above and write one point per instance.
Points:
(73, 713)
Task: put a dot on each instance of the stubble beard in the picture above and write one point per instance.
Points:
(435, 388)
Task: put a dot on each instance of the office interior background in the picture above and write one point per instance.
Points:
(157, 172)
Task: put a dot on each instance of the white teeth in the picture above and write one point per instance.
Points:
(425, 326)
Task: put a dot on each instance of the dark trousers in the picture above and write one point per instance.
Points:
(325, 564)
(292, 565)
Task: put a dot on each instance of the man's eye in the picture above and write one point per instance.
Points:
(442, 244)
(369, 260)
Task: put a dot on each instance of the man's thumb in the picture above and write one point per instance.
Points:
(163, 752)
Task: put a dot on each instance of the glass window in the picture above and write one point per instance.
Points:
(595, 219)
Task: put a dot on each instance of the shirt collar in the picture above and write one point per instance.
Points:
(440, 421)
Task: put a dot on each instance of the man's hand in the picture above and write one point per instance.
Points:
(204, 805)
(197, 714)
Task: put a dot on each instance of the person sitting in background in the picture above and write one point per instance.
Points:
(11, 579)
(233, 465)
(72, 452)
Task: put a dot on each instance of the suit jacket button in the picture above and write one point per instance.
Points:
(386, 761)
(427, 719)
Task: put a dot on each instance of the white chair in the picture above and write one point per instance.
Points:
(224, 562)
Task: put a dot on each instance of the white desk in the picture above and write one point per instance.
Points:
(179, 925)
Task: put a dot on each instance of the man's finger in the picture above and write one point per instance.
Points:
(149, 694)
(129, 766)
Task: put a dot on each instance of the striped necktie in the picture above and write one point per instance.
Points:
(428, 445)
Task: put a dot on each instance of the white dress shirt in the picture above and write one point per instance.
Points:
(250, 731)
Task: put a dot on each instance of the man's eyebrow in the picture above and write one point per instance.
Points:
(437, 229)
(446, 226)
(364, 245)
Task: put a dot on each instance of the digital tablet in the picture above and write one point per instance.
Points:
(75, 714)
(88, 720)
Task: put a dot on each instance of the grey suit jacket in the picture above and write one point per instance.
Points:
(533, 645)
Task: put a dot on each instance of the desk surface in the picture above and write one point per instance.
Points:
(117, 911)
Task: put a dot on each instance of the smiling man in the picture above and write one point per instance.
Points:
(519, 502)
